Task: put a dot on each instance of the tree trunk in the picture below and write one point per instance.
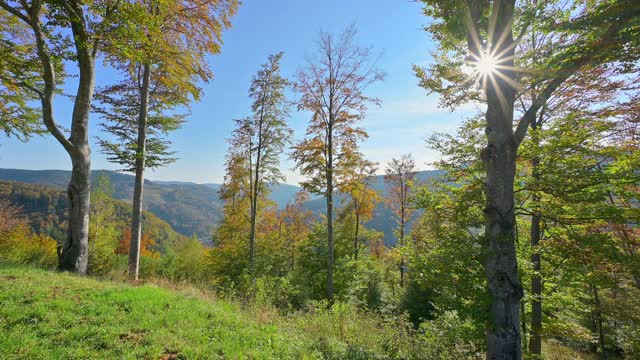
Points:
(598, 319)
(499, 160)
(252, 239)
(136, 213)
(74, 252)
(355, 238)
(330, 216)
(523, 322)
(401, 244)
(535, 341)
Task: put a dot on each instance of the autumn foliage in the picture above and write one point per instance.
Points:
(147, 245)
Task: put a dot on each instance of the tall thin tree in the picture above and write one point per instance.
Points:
(400, 177)
(263, 136)
(331, 88)
(165, 63)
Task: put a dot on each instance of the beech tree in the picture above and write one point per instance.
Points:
(400, 178)
(296, 224)
(65, 30)
(261, 138)
(482, 32)
(162, 67)
(332, 88)
(362, 198)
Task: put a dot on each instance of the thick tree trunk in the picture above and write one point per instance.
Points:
(136, 213)
(501, 267)
(499, 159)
(74, 252)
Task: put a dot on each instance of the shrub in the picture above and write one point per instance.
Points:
(448, 337)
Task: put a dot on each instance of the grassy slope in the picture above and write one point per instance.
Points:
(47, 315)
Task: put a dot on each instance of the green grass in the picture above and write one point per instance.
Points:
(49, 315)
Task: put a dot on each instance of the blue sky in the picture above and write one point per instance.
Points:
(392, 27)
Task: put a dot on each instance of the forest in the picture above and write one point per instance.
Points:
(520, 240)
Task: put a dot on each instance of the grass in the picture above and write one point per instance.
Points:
(51, 315)
(48, 315)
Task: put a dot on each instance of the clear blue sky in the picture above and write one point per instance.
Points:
(393, 27)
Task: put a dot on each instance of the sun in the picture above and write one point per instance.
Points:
(486, 65)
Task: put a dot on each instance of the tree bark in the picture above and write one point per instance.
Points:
(330, 219)
(598, 319)
(499, 160)
(402, 225)
(535, 340)
(356, 245)
(136, 213)
(73, 254)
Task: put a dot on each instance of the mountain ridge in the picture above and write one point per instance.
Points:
(194, 209)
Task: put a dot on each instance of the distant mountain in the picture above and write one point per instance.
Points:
(192, 208)
(188, 207)
(45, 208)
(383, 219)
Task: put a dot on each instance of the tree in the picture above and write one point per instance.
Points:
(400, 178)
(484, 32)
(362, 197)
(163, 65)
(331, 88)
(68, 30)
(103, 231)
(19, 69)
(296, 224)
(262, 136)
(147, 245)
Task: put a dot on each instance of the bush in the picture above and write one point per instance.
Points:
(416, 301)
(448, 337)
(19, 245)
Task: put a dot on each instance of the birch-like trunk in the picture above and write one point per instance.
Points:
(136, 212)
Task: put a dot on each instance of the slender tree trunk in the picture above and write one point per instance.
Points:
(355, 238)
(330, 216)
(598, 319)
(402, 221)
(499, 160)
(535, 341)
(136, 214)
(252, 231)
(523, 322)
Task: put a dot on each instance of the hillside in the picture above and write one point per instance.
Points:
(45, 207)
(192, 208)
(189, 208)
(70, 317)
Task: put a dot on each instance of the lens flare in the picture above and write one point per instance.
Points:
(486, 65)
